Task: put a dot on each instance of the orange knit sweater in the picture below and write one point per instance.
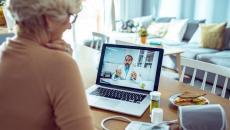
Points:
(40, 89)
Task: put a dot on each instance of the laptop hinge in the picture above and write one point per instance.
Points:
(125, 89)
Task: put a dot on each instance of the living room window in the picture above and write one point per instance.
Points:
(96, 16)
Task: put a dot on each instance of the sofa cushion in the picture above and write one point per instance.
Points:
(219, 58)
(176, 30)
(196, 38)
(227, 39)
(193, 53)
(158, 29)
(191, 28)
(212, 35)
(193, 50)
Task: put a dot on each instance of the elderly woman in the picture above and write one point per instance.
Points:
(40, 84)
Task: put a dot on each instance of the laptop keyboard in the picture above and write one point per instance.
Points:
(120, 95)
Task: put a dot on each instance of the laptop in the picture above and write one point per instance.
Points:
(126, 75)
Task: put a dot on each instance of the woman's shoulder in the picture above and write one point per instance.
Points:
(58, 58)
(58, 65)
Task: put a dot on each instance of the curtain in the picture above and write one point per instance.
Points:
(117, 10)
(131, 9)
(109, 16)
(213, 11)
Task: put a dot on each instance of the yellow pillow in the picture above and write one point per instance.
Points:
(212, 35)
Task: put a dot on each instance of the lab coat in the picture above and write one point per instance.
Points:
(127, 76)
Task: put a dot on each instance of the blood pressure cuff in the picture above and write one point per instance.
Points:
(202, 117)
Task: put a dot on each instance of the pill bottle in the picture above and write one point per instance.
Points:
(155, 100)
(157, 115)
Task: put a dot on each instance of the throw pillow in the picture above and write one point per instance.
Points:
(227, 39)
(176, 30)
(196, 38)
(191, 28)
(212, 35)
(157, 29)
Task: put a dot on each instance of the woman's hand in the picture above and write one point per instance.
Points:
(60, 45)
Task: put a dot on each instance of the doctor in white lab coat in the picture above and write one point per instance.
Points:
(126, 71)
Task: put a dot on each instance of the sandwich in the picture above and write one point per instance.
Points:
(189, 98)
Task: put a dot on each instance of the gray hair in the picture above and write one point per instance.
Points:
(29, 14)
(25, 9)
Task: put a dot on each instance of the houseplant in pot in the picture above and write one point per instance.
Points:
(143, 35)
(2, 18)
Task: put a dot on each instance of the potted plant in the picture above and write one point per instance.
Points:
(2, 18)
(143, 35)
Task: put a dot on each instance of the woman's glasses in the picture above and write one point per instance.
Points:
(73, 18)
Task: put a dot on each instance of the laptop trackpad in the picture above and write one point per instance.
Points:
(107, 102)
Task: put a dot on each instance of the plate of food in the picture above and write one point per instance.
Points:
(188, 98)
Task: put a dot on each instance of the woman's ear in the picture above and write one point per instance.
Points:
(49, 23)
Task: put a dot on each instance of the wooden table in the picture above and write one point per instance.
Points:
(88, 59)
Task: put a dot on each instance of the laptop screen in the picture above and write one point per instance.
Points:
(132, 67)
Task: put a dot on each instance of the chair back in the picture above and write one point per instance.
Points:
(98, 40)
(207, 68)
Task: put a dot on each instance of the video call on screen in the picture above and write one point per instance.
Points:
(133, 68)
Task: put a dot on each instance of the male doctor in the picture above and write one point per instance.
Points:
(126, 71)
